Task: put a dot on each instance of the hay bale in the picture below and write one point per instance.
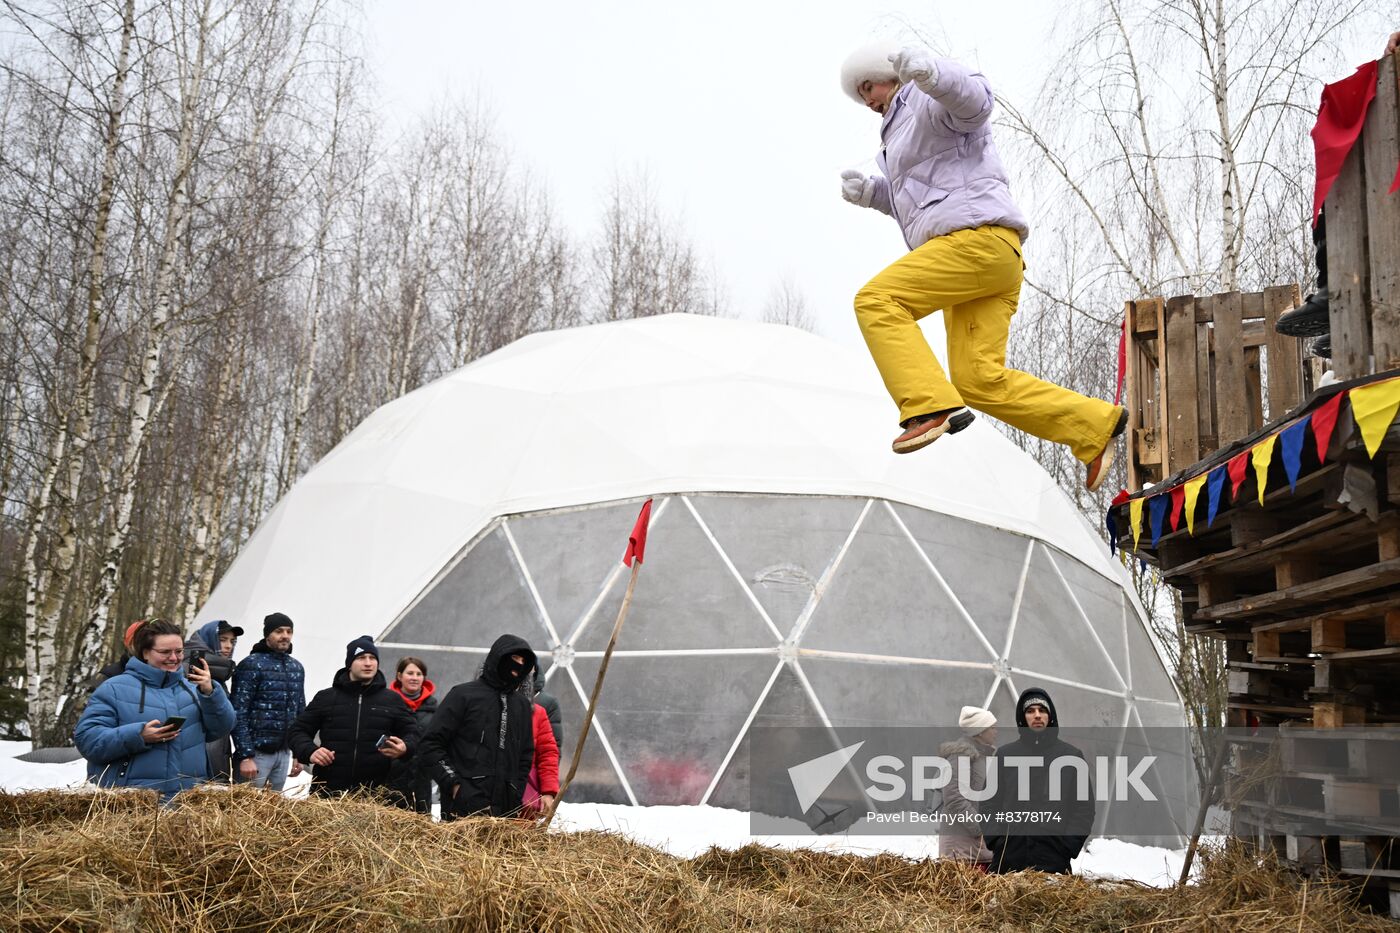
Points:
(242, 859)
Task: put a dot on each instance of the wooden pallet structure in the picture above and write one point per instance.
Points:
(1297, 571)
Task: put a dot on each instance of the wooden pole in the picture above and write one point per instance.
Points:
(1217, 760)
(597, 688)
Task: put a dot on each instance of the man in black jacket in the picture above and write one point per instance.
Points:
(1008, 816)
(481, 743)
(363, 726)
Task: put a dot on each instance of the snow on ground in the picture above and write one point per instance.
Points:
(688, 831)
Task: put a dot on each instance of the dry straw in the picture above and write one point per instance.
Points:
(222, 860)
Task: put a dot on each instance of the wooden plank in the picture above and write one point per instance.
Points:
(1233, 417)
(1362, 579)
(1381, 139)
(1254, 393)
(1183, 440)
(1285, 362)
(1348, 272)
(1205, 393)
(1261, 553)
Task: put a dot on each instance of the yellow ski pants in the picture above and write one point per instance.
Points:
(974, 278)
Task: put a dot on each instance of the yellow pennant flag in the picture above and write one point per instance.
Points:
(1374, 408)
(1135, 518)
(1193, 492)
(1263, 455)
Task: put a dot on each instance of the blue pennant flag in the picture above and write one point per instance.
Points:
(1111, 524)
(1291, 441)
(1214, 484)
(1157, 506)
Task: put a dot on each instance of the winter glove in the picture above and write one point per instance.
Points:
(857, 188)
(915, 65)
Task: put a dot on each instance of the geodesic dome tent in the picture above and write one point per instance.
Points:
(797, 572)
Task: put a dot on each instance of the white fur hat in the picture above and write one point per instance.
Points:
(974, 720)
(870, 62)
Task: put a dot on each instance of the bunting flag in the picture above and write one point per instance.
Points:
(1157, 506)
(1324, 420)
(1122, 359)
(1216, 481)
(1263, 454)
(1290, 441)
(1178, 495)
(1374, 407)
(1193, 492)
(1236, 468)
(1135, 520)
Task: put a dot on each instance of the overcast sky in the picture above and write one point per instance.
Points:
(732, 106)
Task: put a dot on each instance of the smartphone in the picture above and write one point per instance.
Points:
(176, 721)
(197, 657)
(383, 740)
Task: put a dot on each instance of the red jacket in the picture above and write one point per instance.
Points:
(545, 775)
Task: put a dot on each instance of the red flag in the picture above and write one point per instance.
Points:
(1323, 421)
(637, 543)
(1122, 360)
(1178, 495)
(1236, 468)
(1339, 120)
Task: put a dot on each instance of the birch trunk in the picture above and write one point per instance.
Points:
(91, 642)
(42, 608)
(1229, 225)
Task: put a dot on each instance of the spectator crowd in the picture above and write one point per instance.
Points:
(176, 712)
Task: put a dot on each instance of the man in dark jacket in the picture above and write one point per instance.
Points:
(214, 643)
(362, 724)
(268, 694)
(1013, 849)
(481, 744)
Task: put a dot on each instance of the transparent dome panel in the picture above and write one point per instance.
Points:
(1052, 636)
(868, 693)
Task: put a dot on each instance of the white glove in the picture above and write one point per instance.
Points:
(857, 188)
(915, 65)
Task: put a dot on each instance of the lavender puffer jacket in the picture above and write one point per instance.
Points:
(941, 169)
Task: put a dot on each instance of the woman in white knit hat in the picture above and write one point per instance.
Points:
(960, 836)
(943, 182)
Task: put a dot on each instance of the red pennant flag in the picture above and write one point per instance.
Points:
(1121, 497)
(1237, 467)
(1178, 499)
(637, 543)
(1324, 420)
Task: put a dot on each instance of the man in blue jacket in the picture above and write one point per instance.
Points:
(268, 694)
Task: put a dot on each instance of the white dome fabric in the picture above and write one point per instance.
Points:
(496, 470)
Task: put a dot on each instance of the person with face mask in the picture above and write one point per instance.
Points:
(481, 745)
(943, 182)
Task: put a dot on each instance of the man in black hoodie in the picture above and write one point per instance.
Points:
(363, 726)
(481, 743)
(1073, 812)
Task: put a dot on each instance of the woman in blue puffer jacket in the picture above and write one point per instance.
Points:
(122, 732)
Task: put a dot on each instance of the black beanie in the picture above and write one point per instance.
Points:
(275, 621)
(362, 645)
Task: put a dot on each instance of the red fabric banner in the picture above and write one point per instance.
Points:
(1122, 360)
(637, 542)
(1339, 120)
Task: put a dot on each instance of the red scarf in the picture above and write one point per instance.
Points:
(414, 702)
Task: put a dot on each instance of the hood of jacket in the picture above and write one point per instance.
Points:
(414, 702)
(501, 650)
(1050, 732)
(342, 681)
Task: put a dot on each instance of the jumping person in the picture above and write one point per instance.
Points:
(943, 182)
